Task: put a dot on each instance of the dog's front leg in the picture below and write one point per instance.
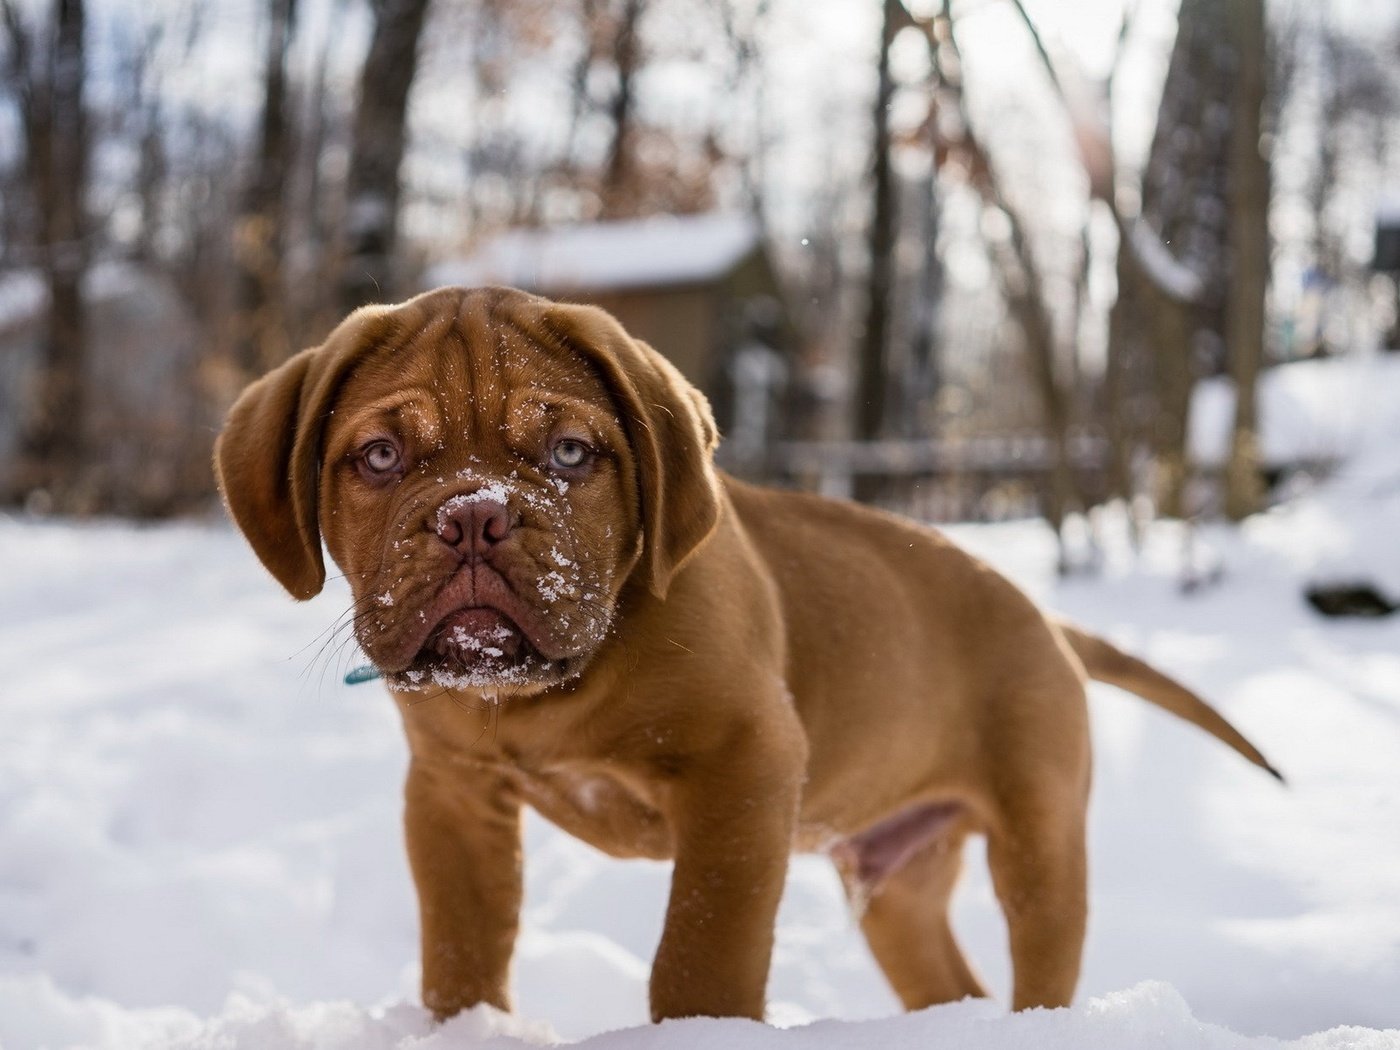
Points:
(463, 831)
(733, 815)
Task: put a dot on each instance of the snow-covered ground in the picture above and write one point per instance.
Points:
(199, 842)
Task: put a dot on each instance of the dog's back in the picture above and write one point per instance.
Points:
(896, 617)
(905, 653)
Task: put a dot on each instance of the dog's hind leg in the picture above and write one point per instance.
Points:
(904, 917)
(1038, 868)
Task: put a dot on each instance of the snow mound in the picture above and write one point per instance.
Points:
(200, 841)
(1149, 1016)
(1311, 413)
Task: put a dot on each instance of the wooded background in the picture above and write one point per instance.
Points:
(988, 217)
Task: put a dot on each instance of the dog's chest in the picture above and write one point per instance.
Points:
(615, 813)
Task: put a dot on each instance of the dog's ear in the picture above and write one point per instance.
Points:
(671, 429)
(267, 458)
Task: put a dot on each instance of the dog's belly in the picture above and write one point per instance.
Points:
(600, 809)
(872, 855)
(619, 819)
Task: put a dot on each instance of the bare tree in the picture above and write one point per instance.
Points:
(1018, 274)
(1249, 253)
(261, 339)
(46, 71)
(376, 154)
(923, 309)
(743, 26)
(1162, 294)
(896, 366)
(589, 16)
(316, 197)
(873, 365)
(647, 167)
(620, 172)
(872, 370)
(141, 121)
(1185, 204)
(1350, 96)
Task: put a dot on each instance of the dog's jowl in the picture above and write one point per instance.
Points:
(671, 663)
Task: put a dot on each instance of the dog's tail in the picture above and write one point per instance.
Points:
(1106, 663)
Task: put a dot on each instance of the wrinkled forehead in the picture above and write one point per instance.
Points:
(465, 363)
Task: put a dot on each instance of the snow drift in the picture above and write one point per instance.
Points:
(199, 842)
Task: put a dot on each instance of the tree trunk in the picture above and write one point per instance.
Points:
(1249, 256)
(580, 100)
(1124, 431)
(925, 345)
(873, 369)
(1171, 337)
(746, 86)
(376, 154)
(1185, 205)
(307, 307)
(1025, 296)
(53, 438)
(1024, 292)
(262, 339)
(620, 175)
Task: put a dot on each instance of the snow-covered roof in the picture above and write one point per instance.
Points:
(608, 256)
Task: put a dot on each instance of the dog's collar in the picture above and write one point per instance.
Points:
(363, 673)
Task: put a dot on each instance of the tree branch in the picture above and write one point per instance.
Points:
(21, 63)
(1153, 260)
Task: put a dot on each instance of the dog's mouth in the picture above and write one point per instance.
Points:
(478, 647)
(478, 631)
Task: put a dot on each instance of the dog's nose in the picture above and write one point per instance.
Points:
(473, 526)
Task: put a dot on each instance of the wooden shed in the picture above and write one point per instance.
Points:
(699, 288)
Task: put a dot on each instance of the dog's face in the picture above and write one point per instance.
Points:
(489, 469)
(477, 489)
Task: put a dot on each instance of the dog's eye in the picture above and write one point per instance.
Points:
(381, 457)
(569, 454)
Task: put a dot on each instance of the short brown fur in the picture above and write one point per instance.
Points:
(732, 672)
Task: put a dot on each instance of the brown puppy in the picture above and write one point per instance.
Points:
(575, 611)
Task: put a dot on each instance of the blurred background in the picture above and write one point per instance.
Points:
(971, 260)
